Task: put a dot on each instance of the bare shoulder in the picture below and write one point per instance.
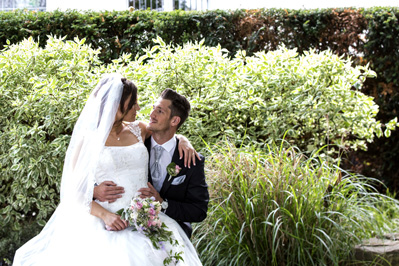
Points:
(143, 127)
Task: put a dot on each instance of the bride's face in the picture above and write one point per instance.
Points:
(130, 115)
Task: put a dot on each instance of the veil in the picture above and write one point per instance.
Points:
(88, 139)
(78, 178)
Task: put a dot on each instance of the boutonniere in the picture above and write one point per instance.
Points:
(173, 170)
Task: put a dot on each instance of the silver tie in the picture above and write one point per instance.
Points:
(156, 166)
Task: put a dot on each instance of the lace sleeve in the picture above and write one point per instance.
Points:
(136, 130)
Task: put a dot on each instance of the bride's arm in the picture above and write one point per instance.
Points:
(185, 148)
(189, 152)
(110, 219)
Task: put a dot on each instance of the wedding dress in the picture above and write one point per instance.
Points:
(87, 242)
(75, 237)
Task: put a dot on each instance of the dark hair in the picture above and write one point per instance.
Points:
(128, 89)
(180, 105)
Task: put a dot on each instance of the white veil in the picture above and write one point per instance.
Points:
(78, 177)
(88, 139)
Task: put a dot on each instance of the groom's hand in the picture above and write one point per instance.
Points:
(108, 191)
(150, 192)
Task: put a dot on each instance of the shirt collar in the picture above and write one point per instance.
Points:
(168, 146)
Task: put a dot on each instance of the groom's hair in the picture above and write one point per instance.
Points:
(180, 105)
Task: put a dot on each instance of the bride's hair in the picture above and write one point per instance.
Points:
(129, 89)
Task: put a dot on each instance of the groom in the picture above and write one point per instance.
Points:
(183, 195)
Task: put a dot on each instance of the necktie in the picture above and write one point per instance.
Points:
(156, 166)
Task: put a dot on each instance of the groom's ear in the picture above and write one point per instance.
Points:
(175, 121)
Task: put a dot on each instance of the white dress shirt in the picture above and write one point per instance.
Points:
(164, 161)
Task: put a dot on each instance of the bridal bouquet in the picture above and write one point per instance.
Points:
(142, 214)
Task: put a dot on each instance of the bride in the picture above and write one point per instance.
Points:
(102, 148)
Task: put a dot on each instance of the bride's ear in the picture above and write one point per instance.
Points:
(175, 121)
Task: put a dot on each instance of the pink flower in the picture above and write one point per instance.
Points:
(178, 168)
(151, 211)
(139, 205)
(173, 169)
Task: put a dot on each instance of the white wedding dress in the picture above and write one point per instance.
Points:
(87, 242)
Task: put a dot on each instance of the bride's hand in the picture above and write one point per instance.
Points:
(113, 222)
(188, 150)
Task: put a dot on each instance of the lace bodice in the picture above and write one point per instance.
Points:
(127, 166)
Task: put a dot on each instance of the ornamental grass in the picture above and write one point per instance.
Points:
(279, 207)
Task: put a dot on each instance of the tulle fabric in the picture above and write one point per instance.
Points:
(86, 242)
(78, 177)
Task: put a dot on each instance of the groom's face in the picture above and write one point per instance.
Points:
(160, 119)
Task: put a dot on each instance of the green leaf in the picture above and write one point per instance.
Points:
(41, 223)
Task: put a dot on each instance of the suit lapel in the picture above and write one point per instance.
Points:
(168, 179)
(147, 143)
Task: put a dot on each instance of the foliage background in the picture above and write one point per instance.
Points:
(314, 98)
(252, 100)
(42, 89)
(367, 35)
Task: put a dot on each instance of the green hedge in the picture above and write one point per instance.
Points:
(368, 35)
(120, 32)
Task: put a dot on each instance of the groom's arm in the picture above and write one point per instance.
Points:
(195, 205)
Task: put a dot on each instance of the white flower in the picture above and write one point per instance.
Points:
(133, 215)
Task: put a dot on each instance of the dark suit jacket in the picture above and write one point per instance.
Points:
(188, 201)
